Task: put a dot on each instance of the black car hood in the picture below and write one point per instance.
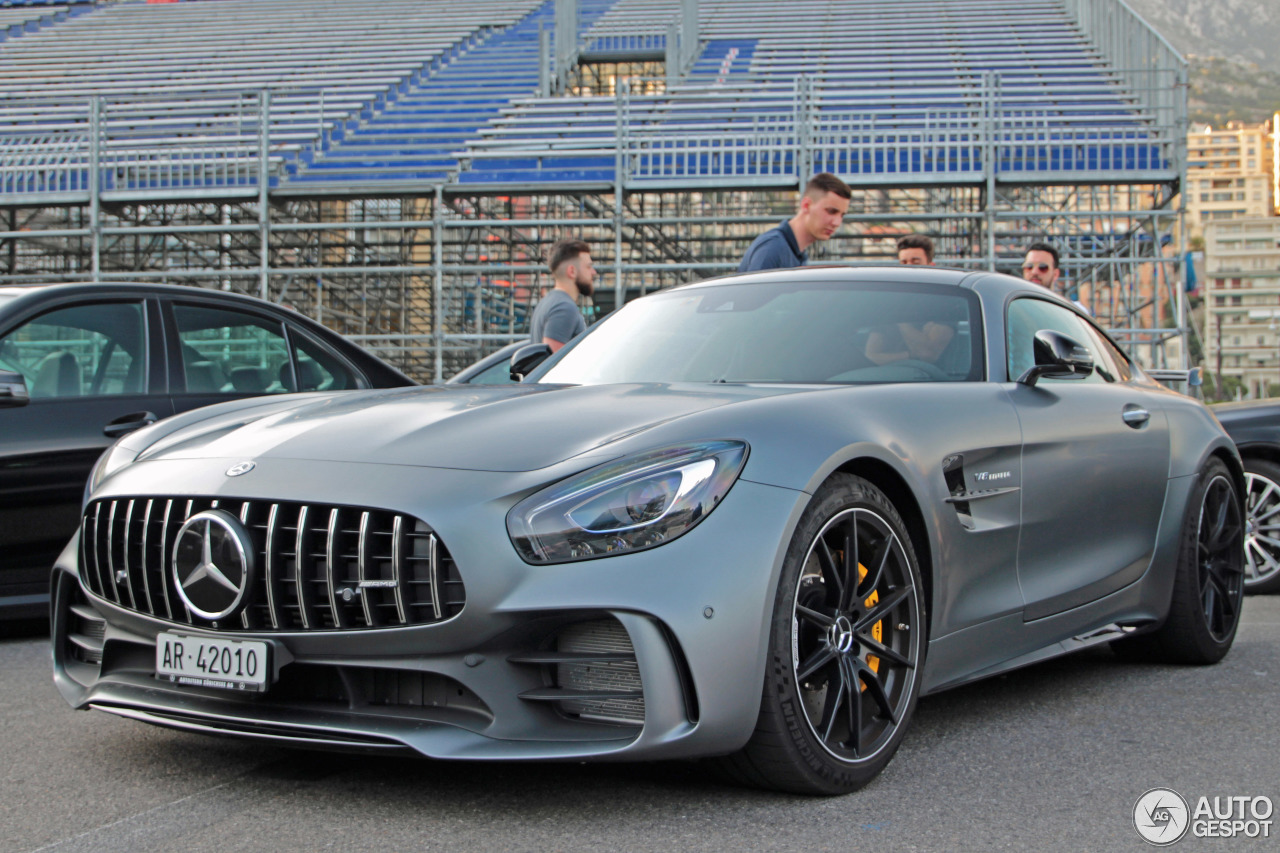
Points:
(489, 428)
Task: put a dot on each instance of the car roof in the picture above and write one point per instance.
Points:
(20, 298)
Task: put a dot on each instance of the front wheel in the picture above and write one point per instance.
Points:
(1208, 586)
(846, 647)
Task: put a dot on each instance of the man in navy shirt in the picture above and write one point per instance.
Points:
(822, 209)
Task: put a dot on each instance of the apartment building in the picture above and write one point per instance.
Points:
(1242, 298)
(1231, 174)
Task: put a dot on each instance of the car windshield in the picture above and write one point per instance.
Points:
(810, 332)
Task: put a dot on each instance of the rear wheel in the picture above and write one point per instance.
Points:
(846, 648)
(1208, 584)
(1262, 537)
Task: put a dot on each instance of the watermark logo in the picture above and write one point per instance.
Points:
(1161, 816)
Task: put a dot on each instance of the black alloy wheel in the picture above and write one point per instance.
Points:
(1262, 535)
(846, 651)
(1208, 581)
(1220, 559)
(853, 635)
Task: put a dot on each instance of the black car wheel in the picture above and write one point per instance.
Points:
(846, 648)
(1262, 537)
(1208, 587)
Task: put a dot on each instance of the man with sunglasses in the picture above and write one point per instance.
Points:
(1041, 266)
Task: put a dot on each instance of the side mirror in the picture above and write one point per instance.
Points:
(13, 390)
(1057, 357)
(525, 359)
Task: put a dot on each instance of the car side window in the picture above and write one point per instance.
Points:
(1027, 316)
(83, 351)
(318, 369)
(1116, 363)
(232, 352)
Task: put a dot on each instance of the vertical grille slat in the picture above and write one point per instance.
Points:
(271, 567)
(164, 559)
(127, 568)
(367, 601)
(433, 569)
(142, 567)
(395, 565)
(398, 568)
(332, 566)
(301, 587)
(114, 590)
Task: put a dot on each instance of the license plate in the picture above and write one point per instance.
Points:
(241, 665)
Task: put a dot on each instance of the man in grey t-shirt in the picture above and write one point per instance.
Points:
(557, 320)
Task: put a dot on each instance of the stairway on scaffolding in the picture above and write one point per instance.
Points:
(412, 134)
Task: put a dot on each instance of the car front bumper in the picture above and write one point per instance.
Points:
(494, 681)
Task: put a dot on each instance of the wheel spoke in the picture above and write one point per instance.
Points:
(836, 690)
(1272, 510)
(831, 573)
(876, 573)
(883, 652)
(882, 609)
(875, 689)
(850, 569)
(849, 676)
(820, 620)
(1274, 543)
(1259, 496)
(1265, 565)
(815, 662)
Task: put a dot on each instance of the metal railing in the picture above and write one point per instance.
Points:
(140, 146)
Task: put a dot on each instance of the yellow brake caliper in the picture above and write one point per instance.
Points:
(877, 630)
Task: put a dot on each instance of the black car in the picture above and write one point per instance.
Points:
(82, 364)
(1254, 425)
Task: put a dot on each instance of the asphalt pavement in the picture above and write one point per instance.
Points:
(1049, 758)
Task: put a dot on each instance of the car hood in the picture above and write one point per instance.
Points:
(491, 428)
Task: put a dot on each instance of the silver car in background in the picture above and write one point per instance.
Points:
(751, 519)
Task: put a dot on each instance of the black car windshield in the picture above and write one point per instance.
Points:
(810, 332)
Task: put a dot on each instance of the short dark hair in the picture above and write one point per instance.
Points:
(1044, 247)
(825, 182)
(563, 251)
(917, 241)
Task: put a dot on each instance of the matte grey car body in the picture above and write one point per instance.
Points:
(453, 571)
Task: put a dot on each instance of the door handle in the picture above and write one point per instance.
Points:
(1135, 417)
(128, 423)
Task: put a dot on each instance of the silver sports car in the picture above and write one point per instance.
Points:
(751, 519)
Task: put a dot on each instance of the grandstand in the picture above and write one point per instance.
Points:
(396, 168)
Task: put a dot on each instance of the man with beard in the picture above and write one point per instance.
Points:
(822, 209)
(557, 320)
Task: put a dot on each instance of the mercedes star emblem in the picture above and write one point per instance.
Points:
(213, 566)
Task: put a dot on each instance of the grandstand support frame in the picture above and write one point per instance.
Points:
(432, 273)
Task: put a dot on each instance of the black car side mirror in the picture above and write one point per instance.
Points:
(525, 359)
(13, 390)
(1057, 357)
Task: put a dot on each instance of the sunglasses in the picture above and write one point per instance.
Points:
(1030, 267)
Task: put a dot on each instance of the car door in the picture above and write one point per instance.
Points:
(226, 352)
(90, 369)
(1095, 466)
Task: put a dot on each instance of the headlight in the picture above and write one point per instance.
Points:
(629, 505)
